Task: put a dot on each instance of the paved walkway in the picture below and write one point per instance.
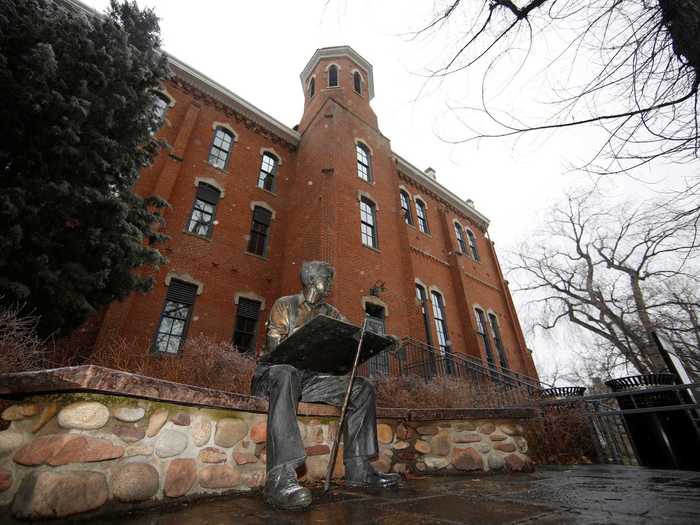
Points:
(552, 495)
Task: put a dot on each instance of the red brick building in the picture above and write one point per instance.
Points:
(251, 199)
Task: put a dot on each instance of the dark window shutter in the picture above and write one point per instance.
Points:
(208, 193)
(262, 215)
(181, 292)
(248, 308)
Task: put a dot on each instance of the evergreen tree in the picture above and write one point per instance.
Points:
(77, 116)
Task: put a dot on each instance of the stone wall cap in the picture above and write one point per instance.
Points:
(97, 379)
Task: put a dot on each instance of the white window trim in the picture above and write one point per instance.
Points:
(263, 204)
(185, 277)
(358, 140)
(167, 94)
(361, 194)
(211, 182)
(372, 299)
(272, 152)
(418, 197)
(227, 127)
(420, 282)
(432, 288)
(250, 295)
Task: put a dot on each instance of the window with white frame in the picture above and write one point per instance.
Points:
(333, 76)
(460, 238)
(483, 335)
(364, 166)
(472, 245)
(368, 223)
(268, 172)
(220, 148)
(498, 340)
(357, 82)
(201, 220)
(175, 317)
(406, 207)
(422, 216)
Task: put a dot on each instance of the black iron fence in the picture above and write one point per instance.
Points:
(415, 358)
(646, 422)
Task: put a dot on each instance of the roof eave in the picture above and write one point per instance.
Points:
(409, 169)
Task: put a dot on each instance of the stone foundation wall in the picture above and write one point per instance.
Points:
(71, 452)
(74, 453)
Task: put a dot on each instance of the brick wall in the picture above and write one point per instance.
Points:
(316, 216)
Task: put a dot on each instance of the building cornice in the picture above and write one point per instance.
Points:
(338, 51)
(213, 89)
(413, 173)
(229, 98)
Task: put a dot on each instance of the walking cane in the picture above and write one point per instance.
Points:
(341, 421)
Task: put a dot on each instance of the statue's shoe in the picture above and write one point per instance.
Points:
(282, 490)
(360, 473)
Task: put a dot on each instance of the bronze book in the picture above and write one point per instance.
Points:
(326, 345)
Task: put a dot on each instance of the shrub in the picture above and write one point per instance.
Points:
(21, 349)
(561, 435)
(202, 361)
(445, 392)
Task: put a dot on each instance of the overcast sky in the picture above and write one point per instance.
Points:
(258, 48)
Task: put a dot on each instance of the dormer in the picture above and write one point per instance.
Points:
(342, 74)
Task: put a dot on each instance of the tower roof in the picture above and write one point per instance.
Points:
(339, 51)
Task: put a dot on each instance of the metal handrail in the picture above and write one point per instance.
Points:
(490, 373)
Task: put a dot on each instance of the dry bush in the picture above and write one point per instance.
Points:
(445, 392)
(561, 435)
(202, 361)
(21, 349)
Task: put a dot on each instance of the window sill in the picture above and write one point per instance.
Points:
(427, 234)
(372, 248)
(202, 237)
(263, 257)
(331, 88)
(369, 182)
(273, 193)
(410, 225)
(223, 171)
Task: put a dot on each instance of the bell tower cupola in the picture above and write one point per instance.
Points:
(342, 74)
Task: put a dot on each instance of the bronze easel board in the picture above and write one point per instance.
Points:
(326, 345)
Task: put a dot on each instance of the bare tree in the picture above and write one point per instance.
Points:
(619, 274)
(633, 68)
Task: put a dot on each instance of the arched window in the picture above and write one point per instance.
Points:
(483, 335)
(175, 317)
(460, 238)
(312, 87)
(406, 207)
(160, 105)
(441, 329)
(472, 245)
(333, 76)
(357, 82)
(364, 170)
(268, 172)
(368, 223)
(220, 148)
(422, 216)
(204, 210)
(422, 300)
(496, 331)
(259, 231)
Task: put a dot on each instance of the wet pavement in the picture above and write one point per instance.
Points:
(552, 495)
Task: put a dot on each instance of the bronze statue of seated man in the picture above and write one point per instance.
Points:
(284, 386)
